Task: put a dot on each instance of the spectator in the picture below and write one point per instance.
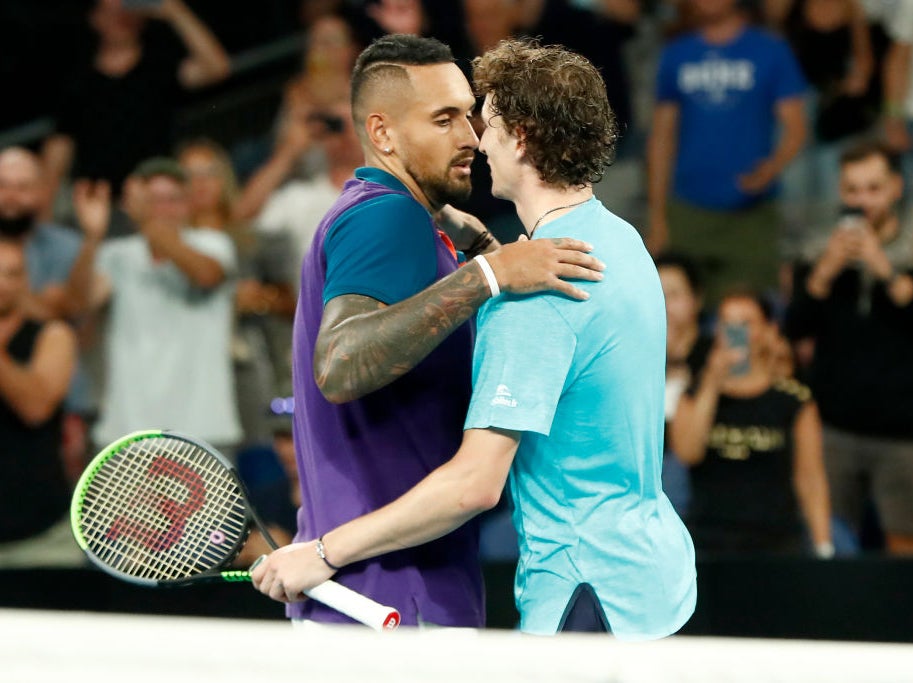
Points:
(37, 360)
(686, 351)
(330, 51)
(50, 251)
(725, 92)
(832, 44)
(853, 295)
(891, 23)
(168, 361)
(329, 55)
(117, 110)
(279, 204)
(752, 442)
(266, 271)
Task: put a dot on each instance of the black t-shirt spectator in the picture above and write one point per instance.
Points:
(743, 498)
(862, 372)
(117, 122)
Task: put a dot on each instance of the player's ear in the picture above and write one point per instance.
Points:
(520, 137)
(379, 133)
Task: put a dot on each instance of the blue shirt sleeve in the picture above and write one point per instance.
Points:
(522, 360)
(791, 81)
(383, 248)
(667, 77)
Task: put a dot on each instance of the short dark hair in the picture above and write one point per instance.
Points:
(748, 293)
(160, 166)
(558, 100)
(385, 58)
(674, 259)
(865, 149)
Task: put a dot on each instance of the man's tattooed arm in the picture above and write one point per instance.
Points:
(364, 344)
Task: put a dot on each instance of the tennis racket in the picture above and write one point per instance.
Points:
(157, 508)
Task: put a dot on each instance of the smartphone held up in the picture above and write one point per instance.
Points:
(851, 218)
(737, 340)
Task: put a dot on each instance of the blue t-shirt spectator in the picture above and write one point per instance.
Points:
(727, 96)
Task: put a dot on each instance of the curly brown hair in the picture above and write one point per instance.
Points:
(556, 99)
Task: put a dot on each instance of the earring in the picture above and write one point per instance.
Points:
(387, 150)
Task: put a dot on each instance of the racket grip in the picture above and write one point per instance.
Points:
(355, 605)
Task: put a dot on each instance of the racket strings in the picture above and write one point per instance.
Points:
(163, 508)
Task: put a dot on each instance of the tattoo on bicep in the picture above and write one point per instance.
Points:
(364, 344)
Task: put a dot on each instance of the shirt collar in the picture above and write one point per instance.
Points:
(372, 174)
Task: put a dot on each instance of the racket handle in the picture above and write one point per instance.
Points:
(355, 605)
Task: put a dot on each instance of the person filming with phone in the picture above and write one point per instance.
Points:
(853, 298)
(751, 436)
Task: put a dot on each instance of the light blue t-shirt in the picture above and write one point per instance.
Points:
(584, 382)
(727, 97)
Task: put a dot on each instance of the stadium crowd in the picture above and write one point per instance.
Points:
(150, 280)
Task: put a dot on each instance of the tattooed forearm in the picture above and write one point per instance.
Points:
(364, 345)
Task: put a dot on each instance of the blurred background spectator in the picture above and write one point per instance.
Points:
(687, 346)
(853, 299)
(37, 360)
(729, 117)
(832, 43)
(168, 362)
(116, 110)
(266, 143)
(264, 294)
(752, 441)
(50, 251)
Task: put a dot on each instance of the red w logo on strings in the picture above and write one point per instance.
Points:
(151, 501)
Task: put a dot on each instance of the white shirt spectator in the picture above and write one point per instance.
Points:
(168, 363)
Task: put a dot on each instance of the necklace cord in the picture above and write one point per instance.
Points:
(557, 208)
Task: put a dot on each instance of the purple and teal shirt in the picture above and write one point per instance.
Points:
(378, 241)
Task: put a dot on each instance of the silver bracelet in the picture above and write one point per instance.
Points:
(322, 553)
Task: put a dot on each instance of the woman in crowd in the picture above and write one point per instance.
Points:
(752, 441)
(264, 299)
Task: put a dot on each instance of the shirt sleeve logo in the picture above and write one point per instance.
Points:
(503, 397)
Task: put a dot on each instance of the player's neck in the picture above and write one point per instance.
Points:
(543, 204)
(390, 165)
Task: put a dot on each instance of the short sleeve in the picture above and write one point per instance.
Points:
(111, 254)
(789, 81)
(522, 360)
(667, 79)
(383, 248)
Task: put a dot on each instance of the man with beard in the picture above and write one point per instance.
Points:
(567, 398)
(853, 295)
(50, 249)
(50, 252)
(382, 344)
(37, 360)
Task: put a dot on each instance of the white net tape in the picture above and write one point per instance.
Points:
(46, 647)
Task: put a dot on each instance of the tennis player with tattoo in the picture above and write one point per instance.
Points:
(567, 397)
(383, 340)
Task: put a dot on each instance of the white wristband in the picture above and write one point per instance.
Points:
(489, 275)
